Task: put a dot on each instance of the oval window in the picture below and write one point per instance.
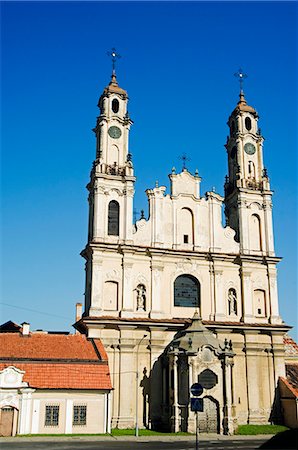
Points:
(115, 105)
(248, 123)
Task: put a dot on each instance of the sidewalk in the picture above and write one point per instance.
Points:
(160, 438)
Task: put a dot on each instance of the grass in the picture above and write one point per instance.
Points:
(241, 430)
(260, 429)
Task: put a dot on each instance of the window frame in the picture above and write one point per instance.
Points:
(77, 420)
(53, 419)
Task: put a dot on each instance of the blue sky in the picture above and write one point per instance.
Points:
(178, 61)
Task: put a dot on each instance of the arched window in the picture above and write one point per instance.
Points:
(255, 232)
(187, 291)
(247, 123)
(113, 218)
(115, 105)
(259, 303)
(110, 296)
(186, 225)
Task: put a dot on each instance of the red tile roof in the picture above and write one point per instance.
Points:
(51, 346)
(55, 361)
(63, 376)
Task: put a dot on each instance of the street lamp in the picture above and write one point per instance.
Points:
(137, 385)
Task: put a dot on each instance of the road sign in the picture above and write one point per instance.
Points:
(196, 389)
(196, 404)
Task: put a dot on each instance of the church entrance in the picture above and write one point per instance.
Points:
(6, 421)
(209, 418)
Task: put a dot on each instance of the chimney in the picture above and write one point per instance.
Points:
(79, 310)
(25, 329)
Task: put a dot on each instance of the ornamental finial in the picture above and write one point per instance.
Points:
(241, 77)
(114, 56)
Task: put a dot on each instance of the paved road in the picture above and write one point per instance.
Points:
(231, 444)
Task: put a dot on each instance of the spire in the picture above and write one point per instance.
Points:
(114, 56)
(113, 86)
(241, 77)
(242, 104)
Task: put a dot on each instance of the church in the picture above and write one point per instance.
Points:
(180, 297)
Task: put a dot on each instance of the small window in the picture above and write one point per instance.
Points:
(113, 218)
(247, 123)
(79, 415)
(233, 152)
(52, 416)
(115, 105)
(185, 238)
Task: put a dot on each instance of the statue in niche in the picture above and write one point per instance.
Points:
(141, 297)
(232, 300)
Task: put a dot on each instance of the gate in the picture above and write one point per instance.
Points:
(6, 421)
(209, 418)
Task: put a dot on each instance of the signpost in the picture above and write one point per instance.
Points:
(196, 405)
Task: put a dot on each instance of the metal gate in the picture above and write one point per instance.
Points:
(209, 418)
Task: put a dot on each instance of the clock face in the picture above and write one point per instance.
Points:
(249, 148)
(114, 132)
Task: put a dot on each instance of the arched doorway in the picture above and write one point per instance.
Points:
(209, 418)
(8, 417)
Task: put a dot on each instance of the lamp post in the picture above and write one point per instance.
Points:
(137, 384)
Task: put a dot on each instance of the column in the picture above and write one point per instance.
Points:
(68, 416)
(157, 346)
(175, 393)
(267, 205)
(273, 295)
(220, 304)
(127, 382)
(247, 296)
(212, 291)
(127, 289)
(128, 219)
(26, 411)
(253, 377)
(96, 285)
(100, 216)
(156, 307)
(243, 226)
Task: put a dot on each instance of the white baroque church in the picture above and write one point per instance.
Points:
(180, 298)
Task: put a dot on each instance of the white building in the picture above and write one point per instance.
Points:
(149, 284)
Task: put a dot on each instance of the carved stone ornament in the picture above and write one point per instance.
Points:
(112, 275)
(12, 377)
(229, 233)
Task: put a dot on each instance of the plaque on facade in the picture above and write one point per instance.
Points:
(208, 379)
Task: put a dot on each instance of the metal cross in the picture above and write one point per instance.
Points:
(241, 76)
(114, 56)
(184, 158)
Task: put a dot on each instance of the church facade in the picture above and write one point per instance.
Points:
(180, 298)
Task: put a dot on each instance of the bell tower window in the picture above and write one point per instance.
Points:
(247, 123)
(115, 105)
(113, 218)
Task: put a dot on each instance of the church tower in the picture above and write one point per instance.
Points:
(247, 188)
(111, 186)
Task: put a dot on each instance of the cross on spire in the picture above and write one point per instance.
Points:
(184, 158)
(241, 77)
(114, 56)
